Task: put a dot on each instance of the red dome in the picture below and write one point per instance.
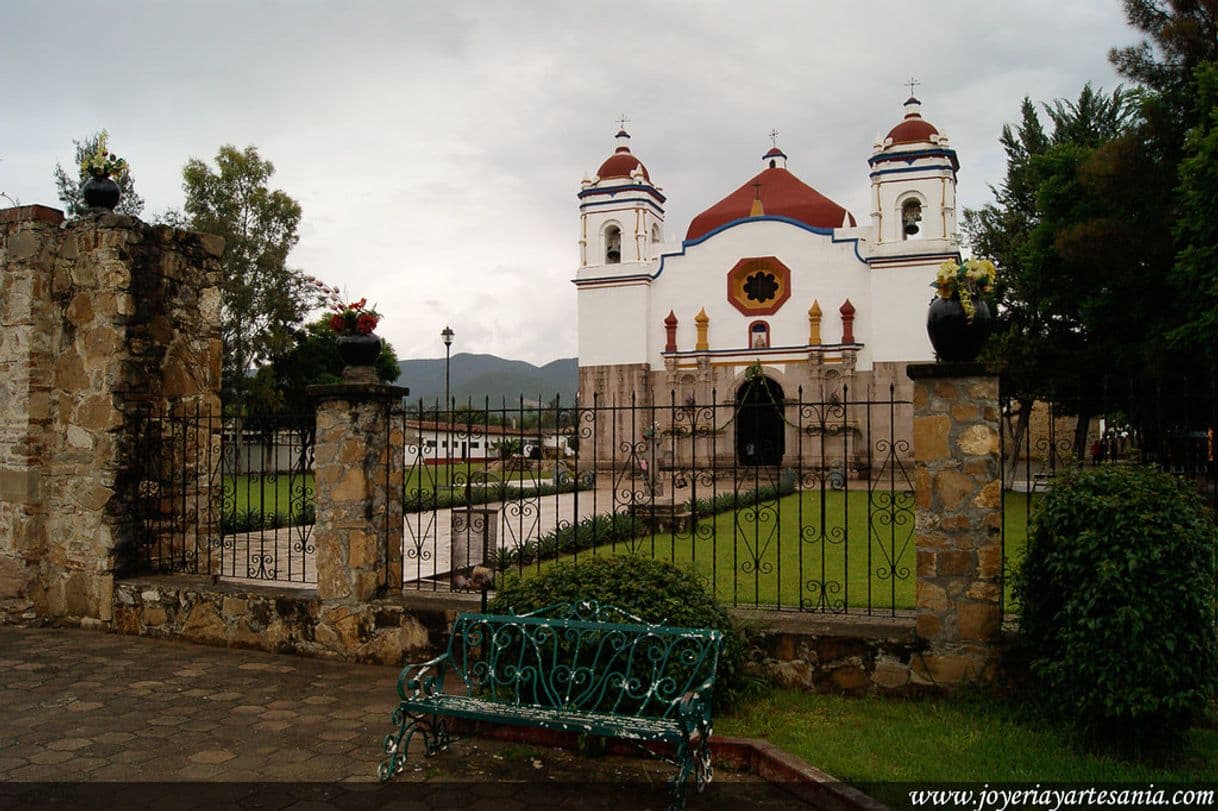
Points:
(914, 129)
(782, 195)
(621, 164)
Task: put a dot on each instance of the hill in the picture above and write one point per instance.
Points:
(477, 377)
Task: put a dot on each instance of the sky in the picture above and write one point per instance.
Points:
(436, 148)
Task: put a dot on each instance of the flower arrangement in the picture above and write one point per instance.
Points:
(963, 280)
(103, 162)
(346, 318)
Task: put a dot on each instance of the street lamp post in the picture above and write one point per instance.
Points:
(447, 335)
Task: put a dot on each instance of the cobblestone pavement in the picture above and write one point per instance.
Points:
(222, 728)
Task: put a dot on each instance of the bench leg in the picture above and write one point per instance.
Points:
(704, 767)
(433, 728)
(685, 765)
(695, 760)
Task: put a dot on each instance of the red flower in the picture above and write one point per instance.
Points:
(337, 323)
(365, 323)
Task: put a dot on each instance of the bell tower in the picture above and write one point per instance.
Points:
(621, 211)
(913, 231)
(913, 186)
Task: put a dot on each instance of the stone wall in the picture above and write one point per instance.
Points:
(853, 655)
(103, 318)
(281, 620)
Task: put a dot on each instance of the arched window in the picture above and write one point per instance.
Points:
(613, 245)
(655, 233)
(911, 219)
(759, 335)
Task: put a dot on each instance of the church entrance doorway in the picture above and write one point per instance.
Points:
(760, 435)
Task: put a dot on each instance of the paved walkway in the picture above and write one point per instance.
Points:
(427, 538)
(119, 712)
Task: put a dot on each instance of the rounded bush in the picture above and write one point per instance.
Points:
(1116, 596)
(654, 590)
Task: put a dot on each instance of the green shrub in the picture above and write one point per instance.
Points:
(654, 590)
(433, 497)
(1117, 598)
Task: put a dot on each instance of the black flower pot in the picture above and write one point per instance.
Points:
(359, 350)
(100, 192)
(954, 338)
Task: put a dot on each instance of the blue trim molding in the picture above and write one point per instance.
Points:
(824, 232)
(622, 202)
(613, 190)
(910, 157)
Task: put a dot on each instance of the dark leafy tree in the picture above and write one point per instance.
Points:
(1174, 65)
(263, 300)
(69, 183)
(1195, 274)
(281, 386)
(1059, 231)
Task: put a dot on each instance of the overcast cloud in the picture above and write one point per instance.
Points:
(436, 148)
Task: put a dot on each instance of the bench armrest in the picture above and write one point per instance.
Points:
(694, 708)
(419, 678)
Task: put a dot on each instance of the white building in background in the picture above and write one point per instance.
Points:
(775, 274)
(439, 442)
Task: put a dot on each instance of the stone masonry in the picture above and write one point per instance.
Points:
(958, 496)
(101, 318)
(359, 453)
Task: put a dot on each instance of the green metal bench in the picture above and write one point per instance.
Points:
(583, 667)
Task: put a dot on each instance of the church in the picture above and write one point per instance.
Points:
(773, 284)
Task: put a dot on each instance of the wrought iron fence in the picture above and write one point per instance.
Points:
(227, 496)
(773, 502)
(1169, 422)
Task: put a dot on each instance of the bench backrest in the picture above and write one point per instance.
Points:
(583, 657)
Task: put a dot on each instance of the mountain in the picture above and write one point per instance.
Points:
(477, 377)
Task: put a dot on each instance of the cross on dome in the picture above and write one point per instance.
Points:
(774, 138)
(912, 84)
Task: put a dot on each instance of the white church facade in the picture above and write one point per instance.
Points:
(775, 283)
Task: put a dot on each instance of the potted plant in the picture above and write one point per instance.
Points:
(959, 320)
(100, 190)
(353, 323)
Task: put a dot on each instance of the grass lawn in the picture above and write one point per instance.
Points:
(812, 549)
(272, 493)
(441, 477)
(275, 493)
(968, 738)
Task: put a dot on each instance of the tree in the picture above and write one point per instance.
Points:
(280, 386)
(508, 447)
(1182, 35)
(262, 299)
(1176, 65)
(69, 186)
(1069, 243)
(1196, 228)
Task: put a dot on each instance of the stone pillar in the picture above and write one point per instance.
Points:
(958, 498)
(359, 457)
